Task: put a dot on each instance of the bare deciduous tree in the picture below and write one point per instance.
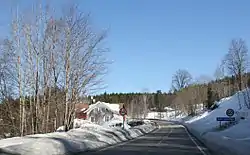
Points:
(181, 79)
(145, 102)
(219, 72)
(236, 60)
(49, 63)
(83, 57)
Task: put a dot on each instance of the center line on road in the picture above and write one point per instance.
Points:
(165, 136)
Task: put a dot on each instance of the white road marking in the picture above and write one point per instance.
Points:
(200, 149)
(166, 136)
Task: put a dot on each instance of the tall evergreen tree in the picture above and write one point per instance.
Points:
(210, 101)
(157, 99)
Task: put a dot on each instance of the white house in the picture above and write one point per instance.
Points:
(99, 113)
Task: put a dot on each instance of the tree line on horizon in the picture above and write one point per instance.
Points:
(188, 99)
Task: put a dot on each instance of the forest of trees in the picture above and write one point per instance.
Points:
(138, 104)
(48, 62)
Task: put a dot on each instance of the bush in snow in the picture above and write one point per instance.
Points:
(214, 106)
(210, 100)
(212, 97)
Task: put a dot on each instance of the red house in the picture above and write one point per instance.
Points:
(80, 110)
(98, 113)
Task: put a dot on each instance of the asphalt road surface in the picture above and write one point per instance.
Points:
(169, 139)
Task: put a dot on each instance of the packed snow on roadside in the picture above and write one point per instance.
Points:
(88, 136)
(233, 140)
(117, 121)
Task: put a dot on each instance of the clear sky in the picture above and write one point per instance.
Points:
(150, 39)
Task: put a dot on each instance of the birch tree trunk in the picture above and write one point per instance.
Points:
(20, 95)
(16, 33)
(67, 70)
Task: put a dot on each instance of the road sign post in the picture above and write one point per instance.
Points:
(123, 112)
(229, 113)
(225, 119)
(123, 121)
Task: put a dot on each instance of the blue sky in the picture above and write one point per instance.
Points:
(149, 40)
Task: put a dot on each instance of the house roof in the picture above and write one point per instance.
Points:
(81, 107)
(114, 106)
(98, 105)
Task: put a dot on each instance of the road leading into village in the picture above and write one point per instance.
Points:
(169, 139)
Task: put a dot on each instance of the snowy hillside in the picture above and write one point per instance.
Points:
(208, 119)
(234, 139)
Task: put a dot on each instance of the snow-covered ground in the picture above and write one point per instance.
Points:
(116, 120)
(167, 115)
(235, 139)
(88, 136)
(172, 114)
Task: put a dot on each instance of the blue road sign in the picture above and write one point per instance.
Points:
(230, 112)
(225, 118)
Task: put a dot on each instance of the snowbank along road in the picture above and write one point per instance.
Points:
(170, 138)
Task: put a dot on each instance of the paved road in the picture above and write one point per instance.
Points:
(169, 139)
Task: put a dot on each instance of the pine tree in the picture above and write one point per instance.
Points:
(210, 101)
(157, 100)
(105, 97)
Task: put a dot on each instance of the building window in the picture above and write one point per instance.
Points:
(92, 119)
(106, 118)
